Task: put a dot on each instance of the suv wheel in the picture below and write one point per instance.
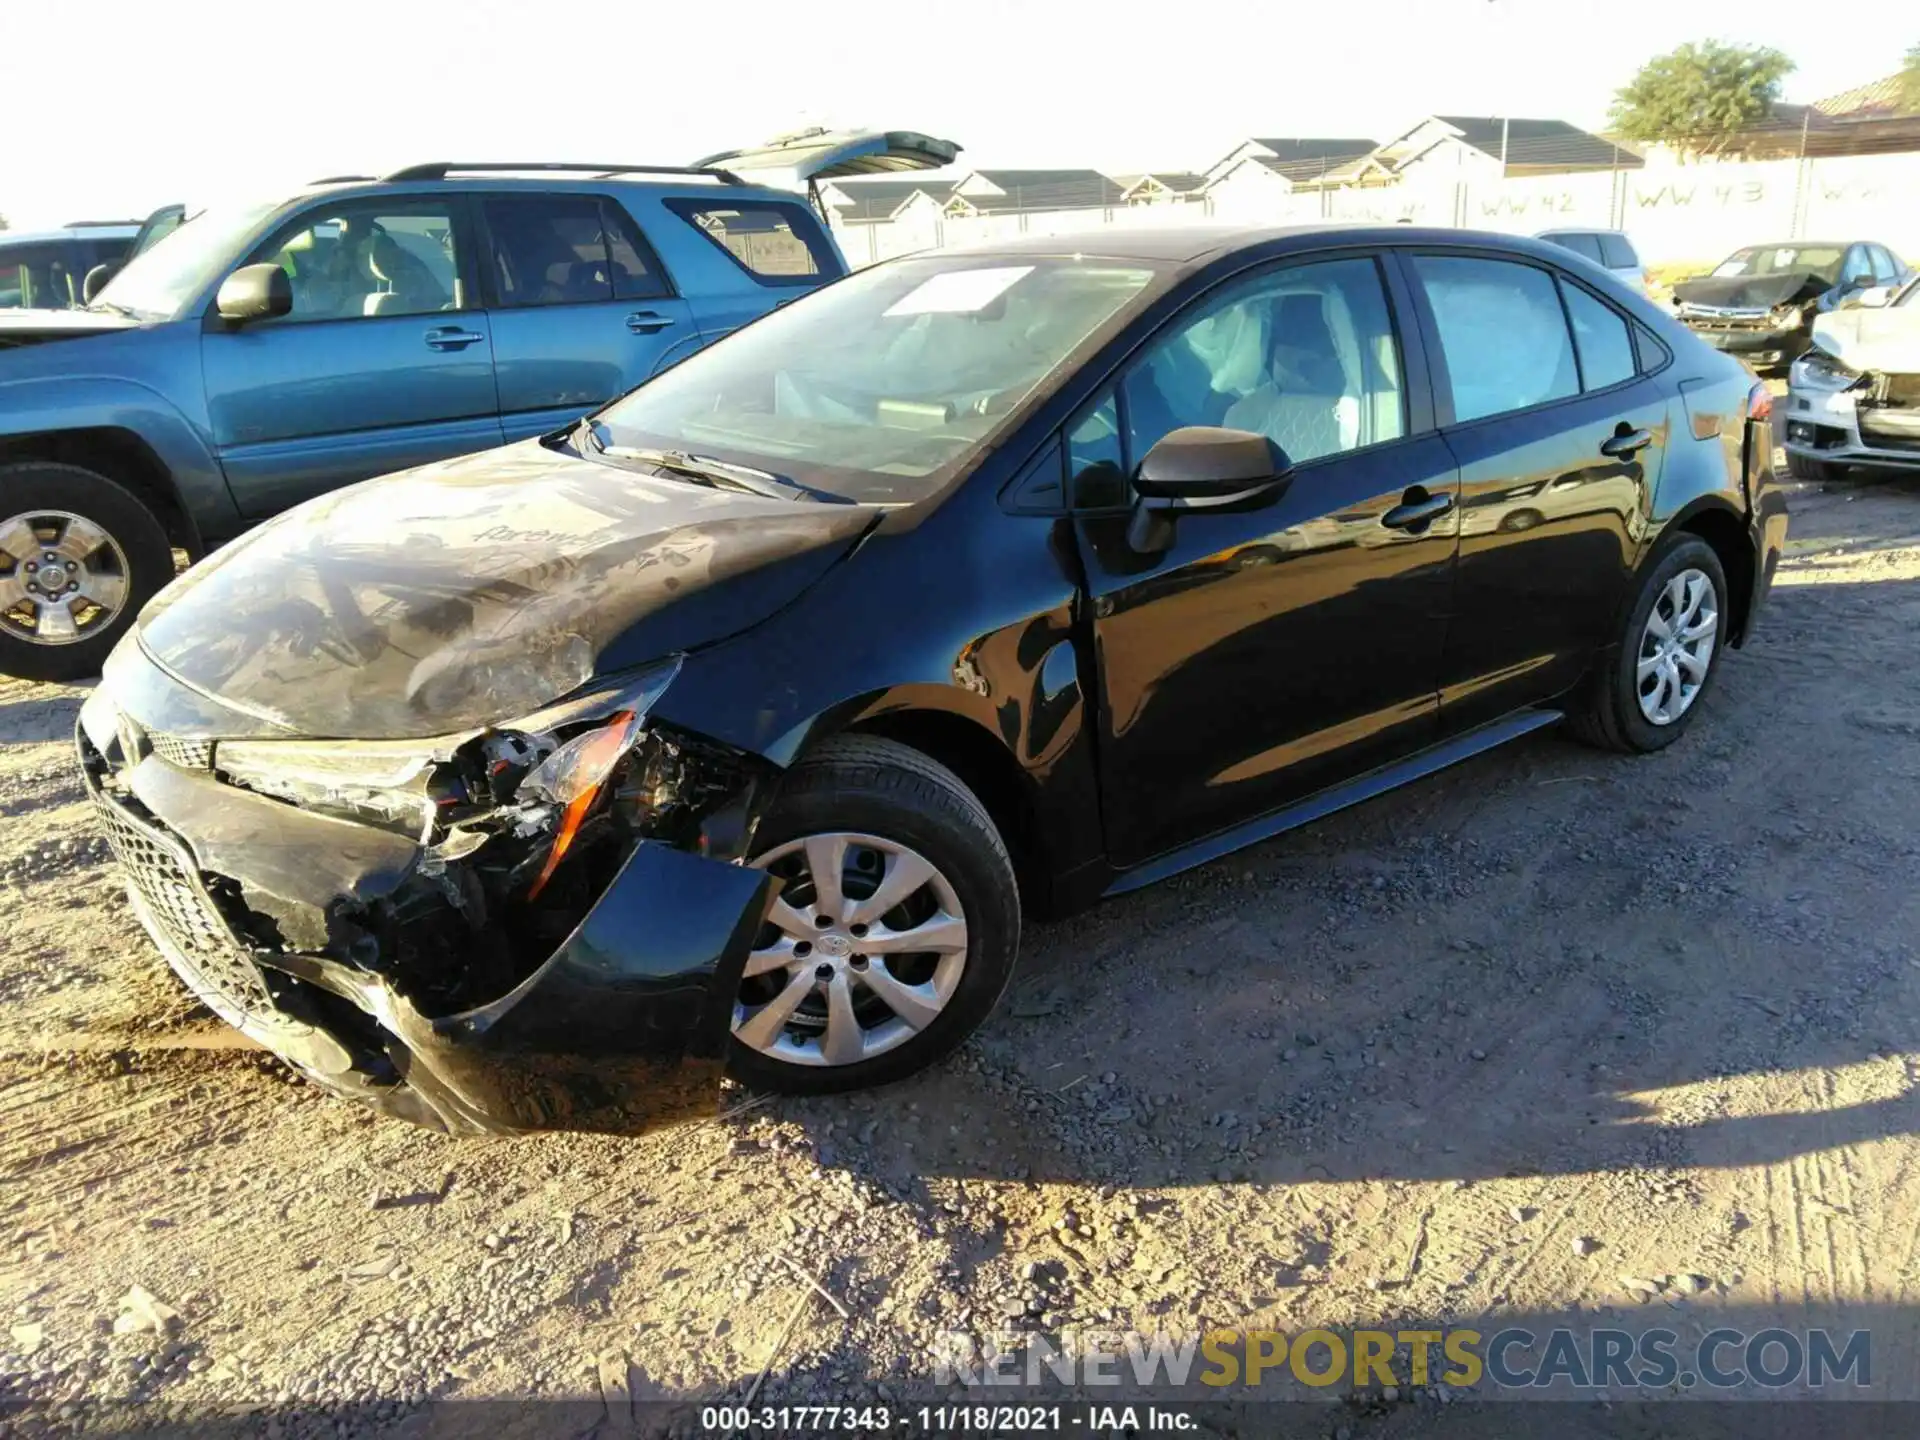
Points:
(79, 556)
(1650, 686)
(894, 932)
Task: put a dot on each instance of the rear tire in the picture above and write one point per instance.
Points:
(874, 798)
(1652, 669)
(49, 509)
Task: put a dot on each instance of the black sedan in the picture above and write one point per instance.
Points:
(1760, 302)
(738, 725)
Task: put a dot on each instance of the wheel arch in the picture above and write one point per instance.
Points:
(984, 764)
(122, 456)
(1723, 529)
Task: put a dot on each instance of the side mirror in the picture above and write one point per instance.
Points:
(1874, 297)
(1201, 467)
(254, 292)
(96, 281)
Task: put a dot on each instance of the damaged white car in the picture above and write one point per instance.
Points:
(1855, 397)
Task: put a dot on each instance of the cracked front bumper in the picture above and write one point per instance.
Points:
(624, 1027)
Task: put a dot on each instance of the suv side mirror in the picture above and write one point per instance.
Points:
(96, 281)
(254, 292)
(1201, 467)
(1874, 297)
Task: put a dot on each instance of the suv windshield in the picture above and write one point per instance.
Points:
(1758, 260)
(158, 282)
(882, 386)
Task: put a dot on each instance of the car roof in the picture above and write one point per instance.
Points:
(585, 180)
(1194, 244)
(83, 230)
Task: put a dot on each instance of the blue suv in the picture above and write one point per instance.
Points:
(260, 355)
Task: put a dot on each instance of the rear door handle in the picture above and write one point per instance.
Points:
(452, 339)
(646, 322)
(1417, 509)
(1625, 443)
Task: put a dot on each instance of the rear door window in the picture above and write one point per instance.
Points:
(1502, 333)
(776, 244)
(39, 277)
(565, 250)
(1617, 253)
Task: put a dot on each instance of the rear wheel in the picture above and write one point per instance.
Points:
(1647, 693)
(79, 556)
(895, 929)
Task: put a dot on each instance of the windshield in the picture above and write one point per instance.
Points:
(882, 386)
(158, 282)
(1759, 260)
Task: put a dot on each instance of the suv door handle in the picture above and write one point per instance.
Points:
(646, 322)
(451, 339)
(1625, 442)
(1417, 509)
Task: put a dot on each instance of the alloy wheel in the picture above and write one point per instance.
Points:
(861, 951)
(1676, 647)
(63, 579)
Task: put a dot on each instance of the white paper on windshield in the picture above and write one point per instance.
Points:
(959, 292)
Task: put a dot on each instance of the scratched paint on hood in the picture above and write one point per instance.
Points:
(462, 593)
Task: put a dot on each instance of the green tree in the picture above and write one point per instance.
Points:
(1701, 96)
(1906, 85)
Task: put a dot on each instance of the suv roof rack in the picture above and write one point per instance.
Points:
(440, 169)
(97, 224)
(341, 179)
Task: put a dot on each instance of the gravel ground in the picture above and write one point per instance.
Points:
(1555, 1037)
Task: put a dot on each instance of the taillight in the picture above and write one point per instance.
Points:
(1760, 402)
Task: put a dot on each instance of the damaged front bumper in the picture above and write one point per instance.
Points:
(386, 971)
(1874, 421)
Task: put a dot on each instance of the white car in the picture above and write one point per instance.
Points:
(1854, 397)
(1609, 249)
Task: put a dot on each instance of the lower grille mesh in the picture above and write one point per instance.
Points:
(164, 876)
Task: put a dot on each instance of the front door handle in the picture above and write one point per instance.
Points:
(451, 339)
(647, 322)
(1417, 510)
(1625, 442)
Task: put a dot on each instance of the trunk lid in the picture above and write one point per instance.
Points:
(810, 156)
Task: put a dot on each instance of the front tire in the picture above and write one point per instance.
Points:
(79, 557)
(895, 932)
(1802, 468)
(1650, 685)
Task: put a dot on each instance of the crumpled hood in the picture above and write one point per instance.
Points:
(472, 591)
(1760, 292)
(1887, 340)
(34, 327)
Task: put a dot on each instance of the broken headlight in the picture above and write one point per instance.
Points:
(382, 782)
(1817, 370)
(544, 762)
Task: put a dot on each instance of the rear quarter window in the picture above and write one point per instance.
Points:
(1587, 245)
(776, 244)
(1617, 253)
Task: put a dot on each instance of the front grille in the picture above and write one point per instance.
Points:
(165, 877)
(187, 754)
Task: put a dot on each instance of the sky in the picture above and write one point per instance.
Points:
(206, 101)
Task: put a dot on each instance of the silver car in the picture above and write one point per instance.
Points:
(1609, 249)
(1854, 397)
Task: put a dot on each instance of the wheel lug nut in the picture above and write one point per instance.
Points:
(824, 972)
(803, 948)
(857, 931)
(858, 962)
(823, 921)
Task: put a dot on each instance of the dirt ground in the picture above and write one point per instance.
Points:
(1483, 1051)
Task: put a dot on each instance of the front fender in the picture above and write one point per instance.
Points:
(48, 405)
